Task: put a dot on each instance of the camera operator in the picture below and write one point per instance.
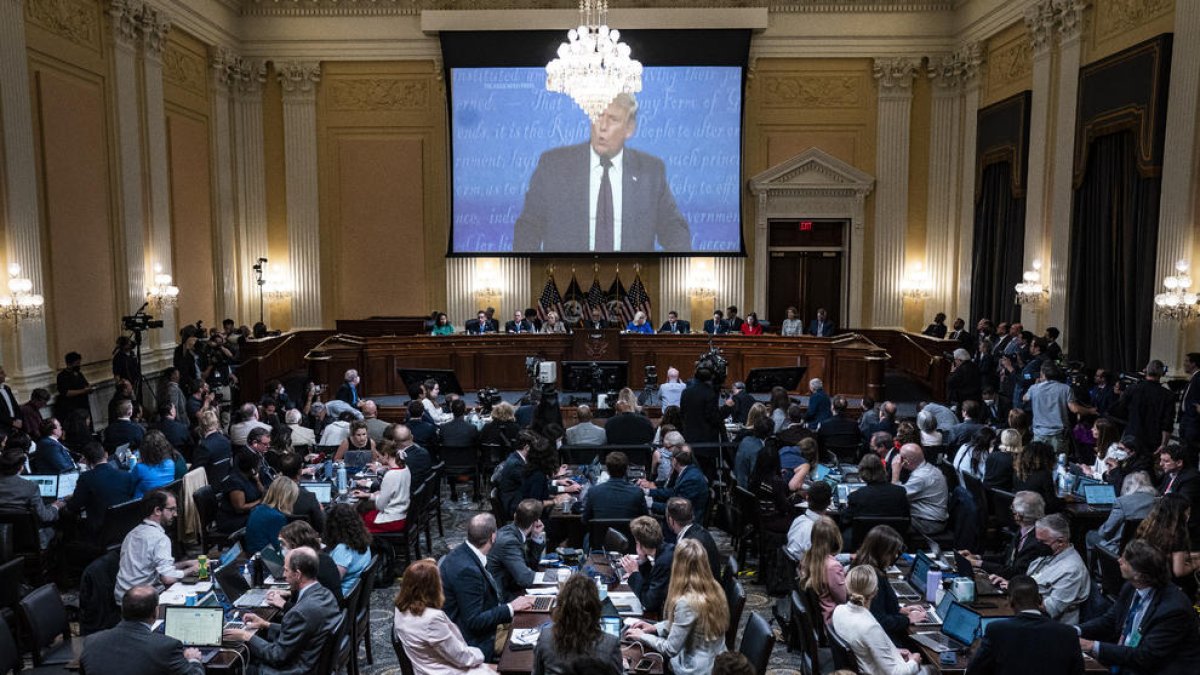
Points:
(201, 400)
(217, 363)
(125, 364)
(186, 358)
(73, 388)
(1149, 409)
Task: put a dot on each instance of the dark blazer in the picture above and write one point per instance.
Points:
(459, 433)
(823, 328)
(7, 418)
(211, 449)
(508, 485)
(555, 215)
(628, 429)
(474, 327)
(650, 581)
(742, 402)
(1015, 559)
(689, 484)
(419, 464)
(120, 432)
(937, 330)
(703, 415)
(513, 559)
(349, 394)
(614, 498)
(877, 499)
(719, 329)
(1187, 483)
(964, 384)
(424, 433)
(308, 507)
(472, 599)
(1005, 648)
(132, 648)
(104, 486)
(961, 433)
(524, 326)
(818, 408)
(696, 531)
(293, 646)
(177, 434)
(839, 432)
(998, 471)
(1168, 645)
(1041, 482)
(51, 457)
(681, 326)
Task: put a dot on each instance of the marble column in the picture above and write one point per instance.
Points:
(1181, 157)
(1069, 15)
(223, 70)
(251, 186)
(1039, 20)
(971, 56)
(895, 76)
(945, 178)
(154, 26)
(299, 80)
(23, 348)
(125, 23)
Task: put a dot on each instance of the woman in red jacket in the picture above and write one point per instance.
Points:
(751, 326)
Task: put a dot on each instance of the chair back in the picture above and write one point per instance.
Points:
(598, 533)
(406, 666)
(1111, 580)
(1000, 507)
(10, 656)
(119, 520)
(845, 454)
(333, 641)
(12, 574)
(757, 643)
(46, 618)
(812, 603)
(735, 595)
(861, 526)
(1129, 531)
(367, 581)
(729, 571)
(978, 494)
(460, 459)
(843, 656)
(805, 629)
(6, 542)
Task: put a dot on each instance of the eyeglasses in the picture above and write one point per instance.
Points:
(171, 508)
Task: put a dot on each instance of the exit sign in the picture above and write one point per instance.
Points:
(806, 226)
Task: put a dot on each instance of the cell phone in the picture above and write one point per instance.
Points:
(644, 666)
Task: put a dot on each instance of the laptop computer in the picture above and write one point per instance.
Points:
(198, 627)
(912, 587)
(1079, 490)
(47, 484)
(322, 490)
(1102, 495)
(237, 589)
(66, 484)
(960, 626)
(611, 625)
(230, 555)
(983, 585)
(933, 615)
(273, 559)
(844, 490)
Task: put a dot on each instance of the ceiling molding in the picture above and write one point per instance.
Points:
(309, 8)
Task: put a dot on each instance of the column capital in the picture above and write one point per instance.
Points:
(1069, 14)
(950, 72)
(154, 25)
(298, 78)
(126, 20)
(245, 76)
(1040, 21)
(895, 74)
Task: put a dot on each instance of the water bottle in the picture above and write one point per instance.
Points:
(246, 574)
(1061, 473)
(257, 572)
(328, 469)
(341, 478)
(933, 583)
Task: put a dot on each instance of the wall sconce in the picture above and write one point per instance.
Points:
(1178, 303)
(488, 290)
(21, 303)
(702, 281)
(916, 284)
(276, 286)
(163, 293)
(1030, 290)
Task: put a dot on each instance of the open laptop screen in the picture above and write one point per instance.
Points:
(195, 626)
(920, 572)
(1099, 495)
(322, 490)
(66, 484)
(961, 623)
(47, 484)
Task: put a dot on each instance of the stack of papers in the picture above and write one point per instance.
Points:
(525, 637)
(177, 593)
(548, 590)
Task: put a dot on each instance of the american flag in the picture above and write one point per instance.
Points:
(637, 300)
(596, 299)
(616, 302)
(550, 300)
(574, 302)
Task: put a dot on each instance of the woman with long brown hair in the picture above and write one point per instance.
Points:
(1166, 529)
(820, 572)
(431, 640)
(697, 615)
(576, 631)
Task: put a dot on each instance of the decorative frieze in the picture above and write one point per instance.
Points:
(812, 91)
(74, 20)
(380, 93)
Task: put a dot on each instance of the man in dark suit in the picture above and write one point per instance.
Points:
(1189, 411)
(687, 481)
(101, 487)
(937, 329)
(964, 431)
(702, 411)
(628, 427)
(424, 431)
(1005, 650)
(963, 383)
(821, 326)
(1023, 547)
(742, 402)
(650, 569)
(616, 497)
(733, 320)
(10, 410)
(1152, 627)
(962, 335)
(416, 458)
(1149, 408)
(716, 325)
(674, 324)
(123, 430)
(293, 646)
(177, 433)
(820, 408)
(472, 593)
(510, 476)
(681, 520)
(839, 431)
(1180, 479)
(596, 320)
(481, 324)
(306, 506)
(458, 432)
(517, 549)
(519, 324)
(601, 196)
(131, 647)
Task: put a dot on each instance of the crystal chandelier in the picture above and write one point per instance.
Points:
(163, 293)
(21, 304)
(1031, 291)
(1178, 303)
(593, 65)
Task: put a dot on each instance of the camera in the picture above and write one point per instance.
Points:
(487, 398)
(140, 322)
(650, 377)
(714, 362)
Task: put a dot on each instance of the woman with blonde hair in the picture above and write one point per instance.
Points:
(628, 396)
(269, 517)
(820, 571)
(430, 639)
(998, 467)
(697, 615)
(552, 324)
(854, 626)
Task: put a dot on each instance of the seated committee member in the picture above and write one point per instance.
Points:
(442, 325)
(675, 325)
(751, 326)
(146, 557)
(517, 549)
(716, 325)
(792, 325)
(857, 628)
(821, 326)
(431, 640)
(695, 618)
(1151, 628)
(481, 324)
(615, 498)
(519, 324)
(472, 598)
(640, 324)
(576, 632)
(650, 569)
(132, 648)
(601, 196)
(102, 486)
(1005, 650)
(294, 644)
(552, 324)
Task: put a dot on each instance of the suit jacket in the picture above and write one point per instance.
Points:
(472, 599)
(703, 416)
(104, 486)
(1005, 650)
(419, 462)
(840, 432)
(513, 559)
(681, 326)
(524, 326)
(474, 327)
(877, 499)
(1016, 559)
(459, 433)
(742, 402)
(964, 384)
(508, 485)
(818, 408)
(650, 580)
(689, 484)
(132, 648)
(120, 432)
(614, 498)
(937, 330)
(293, 646)
(961, 433)
(1131, 506)
(18, 494)
(10, 410)
(51, 456)
(628, 429)
(556, 213)
(720, 328)
(1168, 645)
(586, 433)
(178, 435)
(821, 328)
(696, 531)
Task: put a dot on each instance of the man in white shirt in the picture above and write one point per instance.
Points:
(928, 494)
(1062, 576)
(671, 390)
(301, 435)
(799, 537)
(146, 552)
(239, 431)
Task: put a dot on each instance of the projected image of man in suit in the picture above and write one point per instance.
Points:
(601, 196)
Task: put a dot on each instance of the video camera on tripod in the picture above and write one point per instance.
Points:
(140, 322)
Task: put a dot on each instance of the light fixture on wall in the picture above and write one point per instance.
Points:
(163, 293)
(21, 303)
(487, 284)
(1030, 290)
(593, 65)
(916, 284)
(276, 286)
(702, 281)
(1178, 303)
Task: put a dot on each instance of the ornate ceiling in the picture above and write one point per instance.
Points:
(402, 7)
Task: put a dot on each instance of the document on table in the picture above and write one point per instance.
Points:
(525, 637)
(626, 603)
(177, 593)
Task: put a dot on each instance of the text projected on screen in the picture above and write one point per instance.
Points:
(531, 176)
